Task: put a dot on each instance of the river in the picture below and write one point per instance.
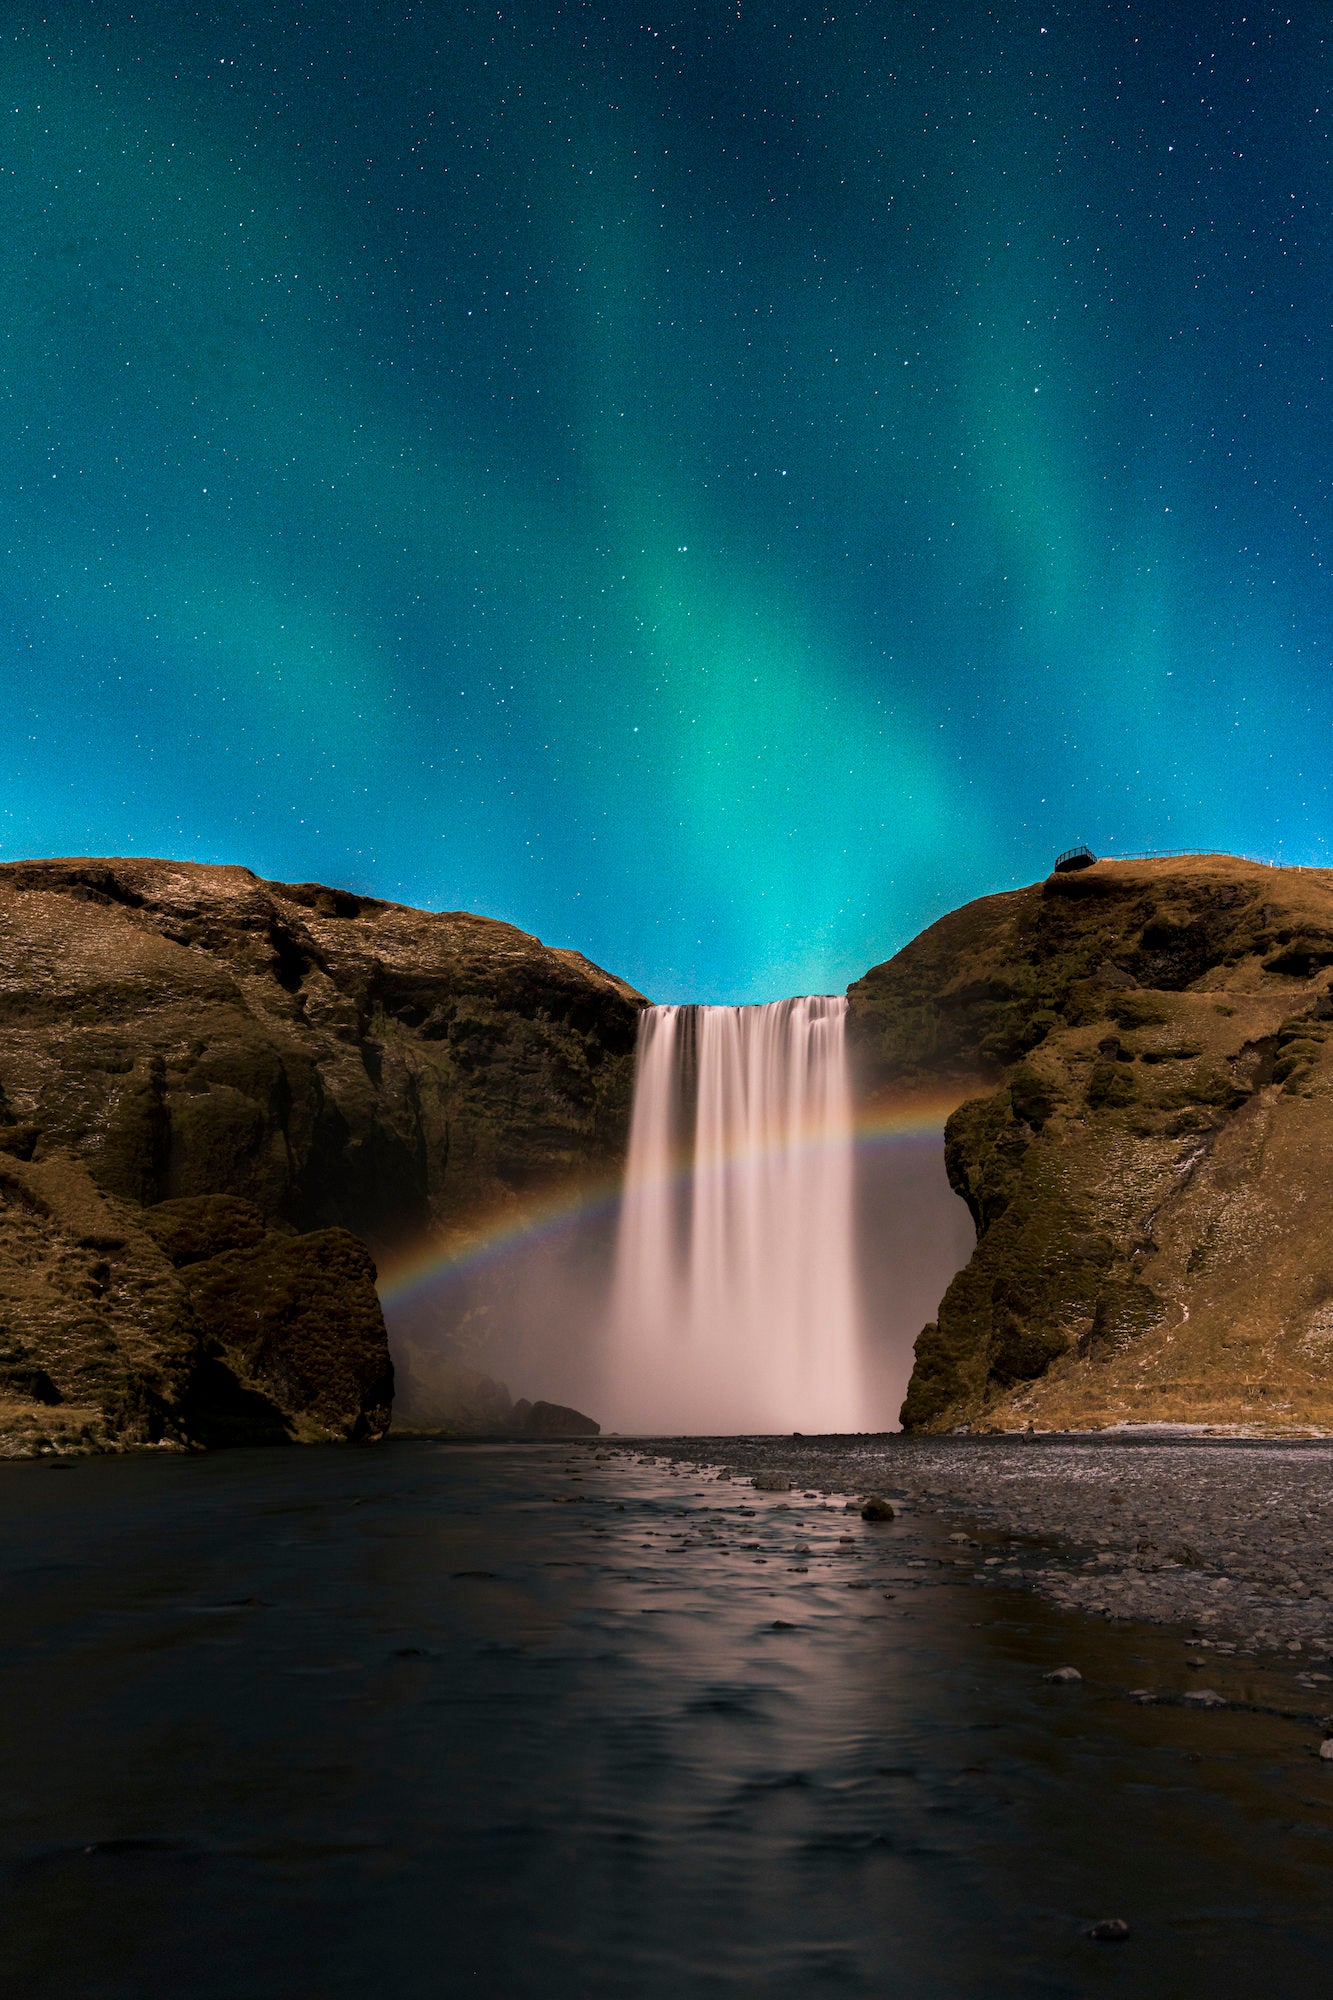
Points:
(529, 1720)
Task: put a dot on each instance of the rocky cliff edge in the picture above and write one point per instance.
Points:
(219, 1096)
(1146, 1145)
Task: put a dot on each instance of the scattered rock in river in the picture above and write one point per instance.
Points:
(1063, 1674)
(1257, 1516)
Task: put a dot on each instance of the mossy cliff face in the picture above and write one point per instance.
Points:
(171, 1035)
(1146, 1145)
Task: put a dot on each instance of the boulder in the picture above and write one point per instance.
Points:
(188, 1325)
(294, 1322)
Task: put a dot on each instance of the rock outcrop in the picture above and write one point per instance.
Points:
(1146, 1145)
(552, 1420)
(215, 1093)
(441, 1393)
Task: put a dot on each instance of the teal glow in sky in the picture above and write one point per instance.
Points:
(715, 487)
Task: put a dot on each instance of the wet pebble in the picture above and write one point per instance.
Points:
(1227, 1537)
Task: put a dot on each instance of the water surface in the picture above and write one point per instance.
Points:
(509, 1721)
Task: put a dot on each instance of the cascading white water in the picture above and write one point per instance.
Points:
(735, 1305)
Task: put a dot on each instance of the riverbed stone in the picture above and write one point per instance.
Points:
(1252, 1512)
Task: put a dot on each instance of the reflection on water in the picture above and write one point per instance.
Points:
(428, 1720)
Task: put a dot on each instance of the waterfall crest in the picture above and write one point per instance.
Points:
(736, 1301)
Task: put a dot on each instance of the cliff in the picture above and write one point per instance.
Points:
(215, 1093)
(1146, 1146)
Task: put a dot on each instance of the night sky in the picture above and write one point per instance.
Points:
(715, 486)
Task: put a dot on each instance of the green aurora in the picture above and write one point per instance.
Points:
(714, 488)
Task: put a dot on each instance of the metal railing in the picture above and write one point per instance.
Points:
(1216, 854)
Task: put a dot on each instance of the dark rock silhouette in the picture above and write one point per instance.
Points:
(544, 1420)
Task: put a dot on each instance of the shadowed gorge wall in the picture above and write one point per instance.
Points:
(912, 1235)
(1147, 1152)
(172, 1034)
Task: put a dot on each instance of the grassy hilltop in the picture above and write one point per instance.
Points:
(1147, 1150)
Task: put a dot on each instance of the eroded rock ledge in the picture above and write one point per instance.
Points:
(1146, 1145)
(220, 1097)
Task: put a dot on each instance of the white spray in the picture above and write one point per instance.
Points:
(736, 1305)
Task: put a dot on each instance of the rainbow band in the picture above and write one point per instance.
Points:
(524, 1225)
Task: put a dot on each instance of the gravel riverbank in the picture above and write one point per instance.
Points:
(554, 1720)
(1232, 1539)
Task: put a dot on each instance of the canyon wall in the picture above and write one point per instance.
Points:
(220, 1096)
(1146, 1145)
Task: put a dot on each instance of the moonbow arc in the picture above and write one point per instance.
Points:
(449, 1257)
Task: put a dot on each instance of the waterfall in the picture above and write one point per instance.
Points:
(735, 1304)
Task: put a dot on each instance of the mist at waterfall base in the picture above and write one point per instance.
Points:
(766, 1268)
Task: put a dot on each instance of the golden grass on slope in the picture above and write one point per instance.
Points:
(1153, 1164)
